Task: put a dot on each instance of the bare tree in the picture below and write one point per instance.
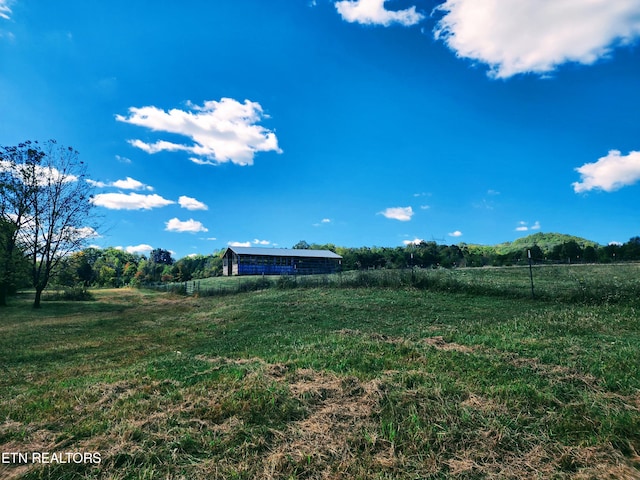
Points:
(48, 202)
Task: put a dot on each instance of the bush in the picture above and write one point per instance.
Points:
(73, 294)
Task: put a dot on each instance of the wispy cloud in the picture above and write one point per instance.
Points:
(373, 12)
(130, 201)
(609, 173)
(191, 203)
(224, 131)
(403, 214)
(191, 225)
(536, 36)
(5, 11)
(324, 221)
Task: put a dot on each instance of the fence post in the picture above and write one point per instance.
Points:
(533, 295)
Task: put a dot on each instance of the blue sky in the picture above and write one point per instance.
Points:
(371, 122)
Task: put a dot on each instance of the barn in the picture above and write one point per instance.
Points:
(278, 261)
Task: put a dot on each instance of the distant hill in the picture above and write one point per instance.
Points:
(546, 241)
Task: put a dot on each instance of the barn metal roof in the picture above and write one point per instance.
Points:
(284, 252)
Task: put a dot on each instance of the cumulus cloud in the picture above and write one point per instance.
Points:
(141, 249)
(536, 36)
(525, 227)
(126, 184)
(191, 225)
(457, 233)
(224, 131)
(131, 184)
(130, 201)
(609, 173)
(372, 12)
(191, 203)
(254, 242)
(82, 233)
(415, 241)
(41, 175)
(239, 244)
(403, 214)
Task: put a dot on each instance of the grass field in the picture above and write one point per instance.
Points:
(457, 374)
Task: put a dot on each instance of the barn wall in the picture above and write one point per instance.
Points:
(276, 265)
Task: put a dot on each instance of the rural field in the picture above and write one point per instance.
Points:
(370, 375)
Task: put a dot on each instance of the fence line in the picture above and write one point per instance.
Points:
(610, 283)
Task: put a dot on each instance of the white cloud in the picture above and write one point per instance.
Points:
(191, 203)
(415, 241)
(609, 173)
(372, 12)
(324, 221)
(130, 201)
(403, 214)
(123, 159)
(131, 184)
(239, 244)
(42, 175)
(536, 36)
(261, 242)
(126, 184)
(141, 249)
(224, 131)
(84, 233)
(524, 226)
(457, 233)
(191, 225)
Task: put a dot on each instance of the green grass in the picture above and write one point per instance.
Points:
(454, 374)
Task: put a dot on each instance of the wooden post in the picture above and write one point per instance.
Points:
(533, 295)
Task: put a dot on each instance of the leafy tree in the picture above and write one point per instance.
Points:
(158, 255)
(13, 266)
(631, 249)
(302, 245)
(47, 199)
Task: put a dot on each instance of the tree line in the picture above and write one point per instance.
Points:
(112, 267)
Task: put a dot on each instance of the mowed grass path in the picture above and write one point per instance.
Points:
(322, 383)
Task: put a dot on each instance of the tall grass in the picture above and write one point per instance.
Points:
(591, 284)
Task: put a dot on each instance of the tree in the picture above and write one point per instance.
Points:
(13, 271)
(302, 245)
(48, 202)
(158, 255)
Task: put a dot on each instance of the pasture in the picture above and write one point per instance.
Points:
(371, 375)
